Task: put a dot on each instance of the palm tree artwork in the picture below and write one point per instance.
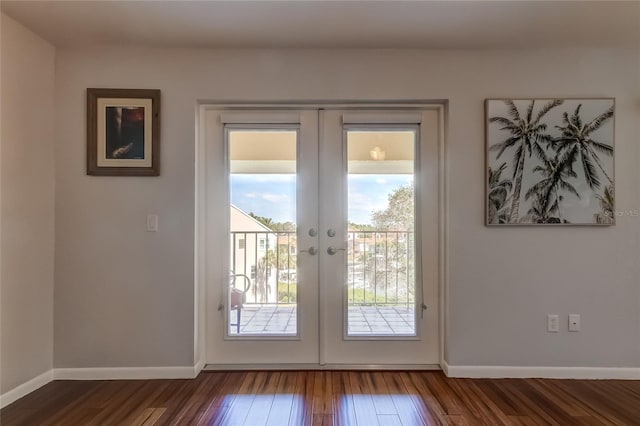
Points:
(556, 179)
(499, 190)
(606, 216)
(526, 136)
(550, 161)
(577, 136)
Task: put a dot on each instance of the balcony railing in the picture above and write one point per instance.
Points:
(380, 267)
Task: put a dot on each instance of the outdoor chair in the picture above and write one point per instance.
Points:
(238, 296)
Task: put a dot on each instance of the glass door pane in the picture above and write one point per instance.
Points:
(378, 168)
(381, 272)
(263, 242)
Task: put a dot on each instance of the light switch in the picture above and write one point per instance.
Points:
(152, 222)
(552, 323)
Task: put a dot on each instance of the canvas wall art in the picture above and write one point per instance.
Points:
(550, 161)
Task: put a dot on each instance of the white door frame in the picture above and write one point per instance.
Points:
(202, 265)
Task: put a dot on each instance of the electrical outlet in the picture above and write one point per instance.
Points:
(574, 322)
(553, 323)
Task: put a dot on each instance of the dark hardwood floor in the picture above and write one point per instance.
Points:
(329, 398)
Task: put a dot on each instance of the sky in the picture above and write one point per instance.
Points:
(273, 195)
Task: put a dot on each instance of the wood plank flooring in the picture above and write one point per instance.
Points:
(322, 398)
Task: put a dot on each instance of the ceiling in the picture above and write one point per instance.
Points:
(333, 24)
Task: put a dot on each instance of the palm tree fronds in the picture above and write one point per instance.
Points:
(603, 218)
(546, 108)
(494, 175)
(575, 118)
(606, 199)
(566, 159)
(502, 146)
(498, 195)
(597, 122)
(537, 189)
(602, 147)
(530, 111)
(589, 171)
(512, 128)
(537, 149)
(595, 156)
(607, 216)
(501, 120)
(568, 187)
(513, 110)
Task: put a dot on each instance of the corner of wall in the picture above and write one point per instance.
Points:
(26, 209)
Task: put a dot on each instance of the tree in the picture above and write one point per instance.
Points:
(498, 195)
(274, 226)
(527, 135)
(577, 136)
(399, 214)
(261, 286)
(351, 226)
(266, 221)
(284, 227)
(281, 258)
(555, 173)
(606, 203)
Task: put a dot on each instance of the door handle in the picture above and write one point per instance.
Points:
(312, 251)
(332, 250)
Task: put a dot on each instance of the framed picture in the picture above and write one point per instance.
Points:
(123, 132)
(550, 161)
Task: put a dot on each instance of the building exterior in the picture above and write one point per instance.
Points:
(250, 243)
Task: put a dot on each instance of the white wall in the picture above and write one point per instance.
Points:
(27, 224)
(124, 297)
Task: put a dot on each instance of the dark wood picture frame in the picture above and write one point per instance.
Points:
(103, 160)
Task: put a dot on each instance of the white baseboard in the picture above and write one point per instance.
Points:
(25, 388)
(125, 373)
(198, 367)
(510, 372)
(118, 373)
(319, 367)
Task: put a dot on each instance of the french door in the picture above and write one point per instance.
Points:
(321, 237)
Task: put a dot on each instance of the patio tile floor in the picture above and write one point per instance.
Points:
(364, 320)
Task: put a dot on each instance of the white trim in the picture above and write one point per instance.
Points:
(259, 117)
(443, 229)
(198, 367)
(126, 373)
(383, 117)
(230, 110)
(311, 366)
(26, 388)
(510, 372)
(118, 373)
(444, 367)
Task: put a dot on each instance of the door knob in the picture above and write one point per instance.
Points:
(332, 250)
(312, 251)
